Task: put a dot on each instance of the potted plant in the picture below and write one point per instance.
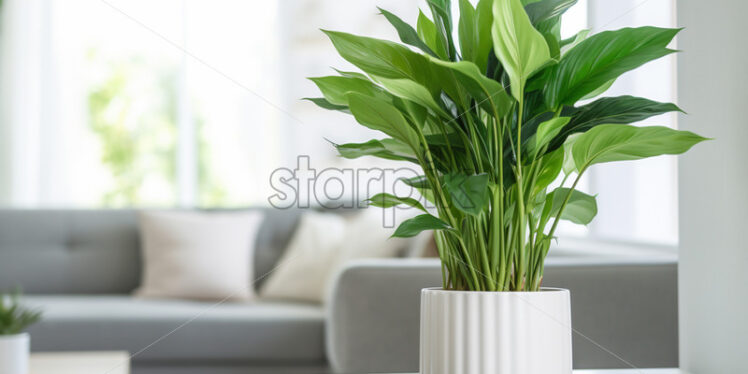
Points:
(492, 118)
(14, 343)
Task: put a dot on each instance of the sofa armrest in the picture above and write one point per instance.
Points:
(373, 314)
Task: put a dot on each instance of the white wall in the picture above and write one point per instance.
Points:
(713, 284)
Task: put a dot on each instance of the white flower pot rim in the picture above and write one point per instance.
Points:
(542, 290)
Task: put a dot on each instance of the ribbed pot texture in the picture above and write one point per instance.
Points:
(465, 332)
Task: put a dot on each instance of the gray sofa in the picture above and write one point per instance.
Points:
(81, 266)
(624, 312)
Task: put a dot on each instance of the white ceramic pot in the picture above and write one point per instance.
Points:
(465, 332)
(14, 354)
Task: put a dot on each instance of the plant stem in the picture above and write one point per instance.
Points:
(489, 274)
(476, 146)
(563, 205)
(448, 143)
(520, 198)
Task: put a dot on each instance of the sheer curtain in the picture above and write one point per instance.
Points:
(39, 161)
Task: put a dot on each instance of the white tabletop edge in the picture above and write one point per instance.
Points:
(111, 362)
(623, 371)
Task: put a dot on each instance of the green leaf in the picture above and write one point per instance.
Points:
(427, 32)
(601, 58)
(517, 44)
(608, 143)
(415, 112)
(324, 104)
(420, 183)
(416, 225)
(449, 83)
(397, 147)
(380, 115)
(483, 25)
(469, 192)
(389, 149)
(442, 12)
(580, 209)
(548, 130)
(408, 89)
(547, 9)
(406, 32)
(486, 92)
(598, 91)
(552, 164)
(551, 31)
(417, 182)
(610, 110)
(385, 200)
(572, 42)
(14, 318)
(451, 139)
(352, 74)
(467, 31)
(382, 58)
(388, 60)
(569, 166)
(335, 88)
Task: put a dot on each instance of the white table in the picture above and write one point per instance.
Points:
(119, 363)
(631, 371)
(80, 363)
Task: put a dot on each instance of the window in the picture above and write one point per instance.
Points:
(194, 103)
(139, 103)
(638, 200)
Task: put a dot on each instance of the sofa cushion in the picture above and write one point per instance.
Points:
(98, 251)
(272, 239)
(200, 256)
(174, 330)
(69, 251)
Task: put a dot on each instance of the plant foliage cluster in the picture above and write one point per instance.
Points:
(14, 318)
(491, 116)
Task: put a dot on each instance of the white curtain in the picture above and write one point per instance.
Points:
(37, 165)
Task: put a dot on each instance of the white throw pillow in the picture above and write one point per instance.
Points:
(323, 243)
(197, 255)
(367, 234)
(304, 270)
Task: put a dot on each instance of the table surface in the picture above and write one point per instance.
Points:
(80, 363)
(119, 363)
(631, 371)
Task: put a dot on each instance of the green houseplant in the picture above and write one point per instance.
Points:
(486, 104)
(14, 318)
(492, 120)
(14, 343)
